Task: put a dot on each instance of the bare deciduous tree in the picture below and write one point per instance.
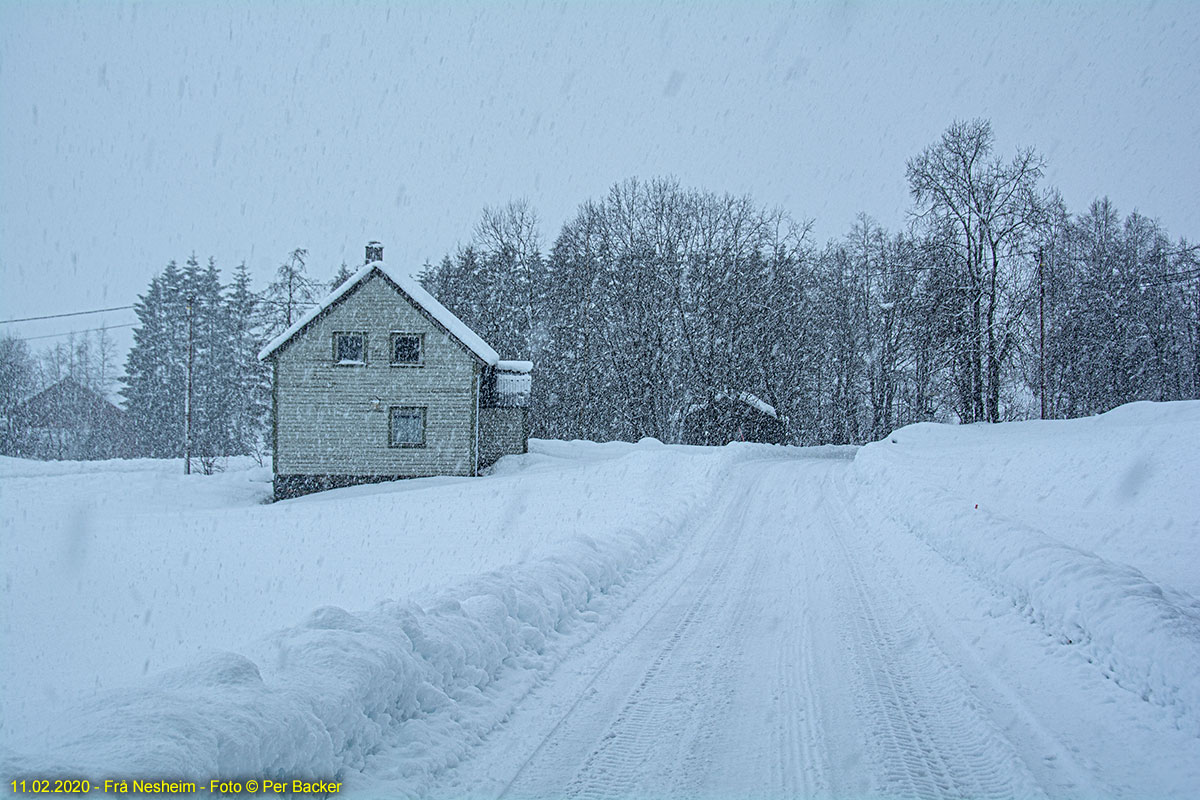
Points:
(985, 213)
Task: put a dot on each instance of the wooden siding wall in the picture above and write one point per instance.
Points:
(325, 423)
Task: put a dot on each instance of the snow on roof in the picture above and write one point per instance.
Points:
(514, 366)
(748, 399)
(457, 328)
(765, 408)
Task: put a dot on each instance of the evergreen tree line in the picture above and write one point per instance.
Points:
(227, 326)
(656, 300)
(229, 388)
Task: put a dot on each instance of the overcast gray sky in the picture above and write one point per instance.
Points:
(132, 134)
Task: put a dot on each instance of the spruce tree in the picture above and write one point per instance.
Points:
(213, 378)
(343, 274)
(251, 394)
(155, 372)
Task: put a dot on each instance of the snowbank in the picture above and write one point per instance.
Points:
(433, 670)
(325, 694)
(943, 484)
(114, 570)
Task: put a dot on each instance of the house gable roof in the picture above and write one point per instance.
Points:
(408, 288)
(67, 404)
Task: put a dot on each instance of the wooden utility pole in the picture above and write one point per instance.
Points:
(1042, 332)
(187, 424)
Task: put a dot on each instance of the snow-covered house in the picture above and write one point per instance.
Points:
(380, 381)
(67, 421)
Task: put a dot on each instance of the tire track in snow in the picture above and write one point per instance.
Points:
(649, 748)
(797, 736)
(783, 732)
(542, 767)
(1054, 765)
(928, 737)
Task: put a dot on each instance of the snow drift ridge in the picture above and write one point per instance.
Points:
(322, 694)
(1144, 637)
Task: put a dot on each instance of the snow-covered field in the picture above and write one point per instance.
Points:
(954, 611)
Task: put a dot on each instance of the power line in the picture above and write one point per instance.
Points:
(1174, 277)
(69, 314)
(68, 333)
(1186, 274)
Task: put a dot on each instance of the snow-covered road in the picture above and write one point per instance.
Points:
(792, 650)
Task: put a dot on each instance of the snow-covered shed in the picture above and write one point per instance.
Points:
(380, 381)
(733, 417)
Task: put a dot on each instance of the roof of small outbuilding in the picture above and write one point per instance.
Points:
(408, 287)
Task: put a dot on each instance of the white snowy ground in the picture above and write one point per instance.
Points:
(980, 611)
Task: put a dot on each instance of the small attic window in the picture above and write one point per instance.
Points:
(350, 349)
(407, 349)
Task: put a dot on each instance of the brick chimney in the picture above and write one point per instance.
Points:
(374, 252)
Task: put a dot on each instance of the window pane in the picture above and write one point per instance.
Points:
(349, 347)
(408, 426)
(406, 349)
